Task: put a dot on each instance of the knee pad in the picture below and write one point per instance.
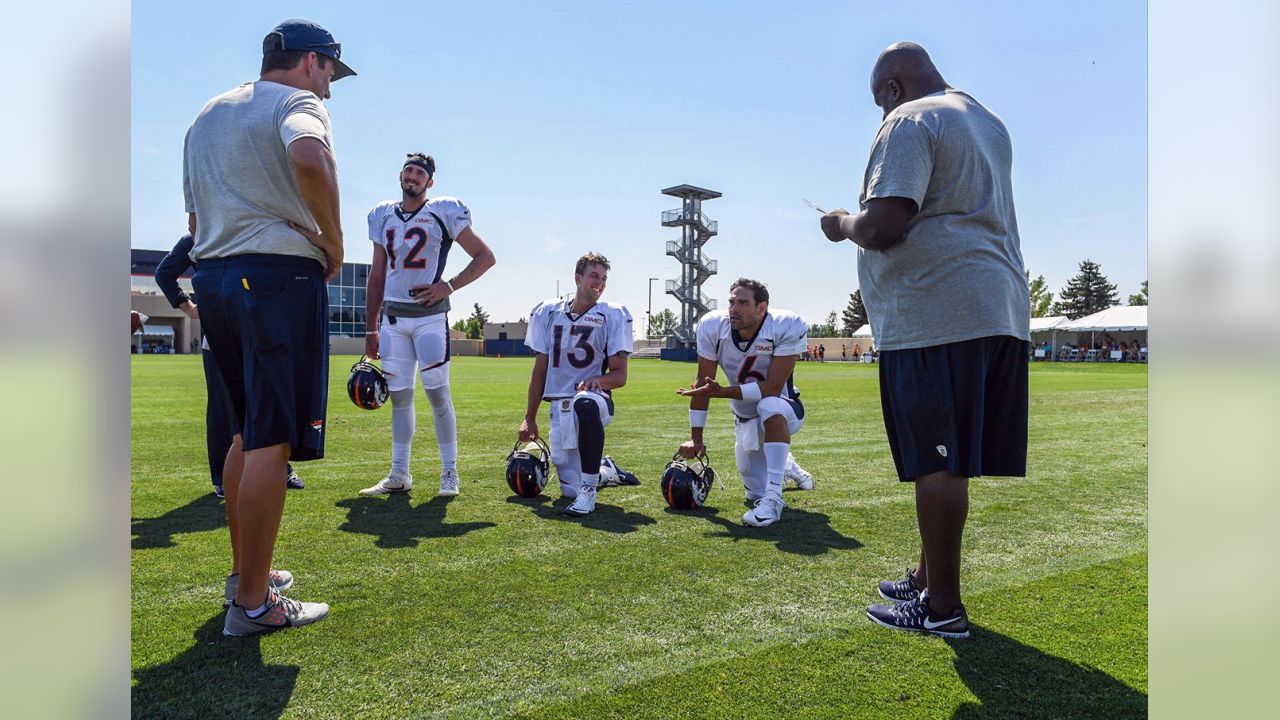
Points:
(770, 406)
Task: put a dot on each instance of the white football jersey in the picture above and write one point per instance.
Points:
(747, 359)
(416, 244)
(576, 347)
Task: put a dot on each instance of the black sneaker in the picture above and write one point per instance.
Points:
(900, 591)
(293, 482)
(217, 492)
(916, 616)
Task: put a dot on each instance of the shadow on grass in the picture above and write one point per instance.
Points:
(1014, 680)
(200, 515)
(608, 518)
(218, 676)
(799, 531)
(397, 524)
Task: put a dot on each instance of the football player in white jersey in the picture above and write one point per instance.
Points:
(758, 349)
(581, 348)
(411, 242)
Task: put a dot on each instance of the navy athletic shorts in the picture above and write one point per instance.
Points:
(266, 320)
(959, 407)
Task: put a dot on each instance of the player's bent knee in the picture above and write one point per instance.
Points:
(771, 407)
(588, 413)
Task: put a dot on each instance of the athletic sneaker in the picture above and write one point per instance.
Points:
(766, 512)
(917, 616)
(448, 483)
(584, 504)
(217, 492)
(798, 475)
(390, 484)
(281, 612)
(612, 475)
(900, 591)
(278, 580)
(293, 482)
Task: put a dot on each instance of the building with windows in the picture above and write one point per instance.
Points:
(169, 330)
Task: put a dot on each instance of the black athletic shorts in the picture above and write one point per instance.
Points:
(266, 320)
(959, 407)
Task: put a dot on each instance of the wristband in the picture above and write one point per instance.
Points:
(451, 288)
(697, 418)
(750, 392)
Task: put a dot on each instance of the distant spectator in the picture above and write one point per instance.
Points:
(822, 353)
(843, 352)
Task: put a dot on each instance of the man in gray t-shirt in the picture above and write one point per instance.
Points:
(261, 189)
(941, 274)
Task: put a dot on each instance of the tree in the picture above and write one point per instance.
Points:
(460, 325)
(854, 316)
(1088, 292)
(1141, 297)
(475, 324)
(825, 330)
(663, 323)
(1041, 298)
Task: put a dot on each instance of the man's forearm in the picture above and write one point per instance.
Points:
(866, 232)
(373, 302)
(537, 383)
(478, 266)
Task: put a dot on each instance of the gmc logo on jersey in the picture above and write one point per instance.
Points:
(764, 347)
(425, 220)
(591, 320)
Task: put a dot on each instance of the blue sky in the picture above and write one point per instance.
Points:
(558, 123)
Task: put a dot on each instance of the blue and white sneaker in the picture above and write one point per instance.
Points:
(293, 482)
(612, 475)
(218, 493)
(917, 616)
(900, 591)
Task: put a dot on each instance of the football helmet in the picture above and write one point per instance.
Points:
(528, 468)
(367, 387)
(686, 483)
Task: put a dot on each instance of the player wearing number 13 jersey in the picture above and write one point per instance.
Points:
(411, 242)
(757, 347)
(581, 348)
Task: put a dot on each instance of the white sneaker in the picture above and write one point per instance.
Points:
(798, 475)
(584, 503)
(390, 484)
(766, 512)
(448, 483)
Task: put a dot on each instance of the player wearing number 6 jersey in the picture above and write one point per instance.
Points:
(758, 348)
(581, 348)
(411, 242)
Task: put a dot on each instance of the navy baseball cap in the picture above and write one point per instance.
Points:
(299, 34)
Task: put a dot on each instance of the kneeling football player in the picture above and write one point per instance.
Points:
(581, 348)
(758, 349)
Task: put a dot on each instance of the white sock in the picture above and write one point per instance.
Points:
(257, 611)
(403, 424)
(775, 458)
(446, 426)
(590, 480)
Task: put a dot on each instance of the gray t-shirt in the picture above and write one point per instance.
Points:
(958, 273)
(236, 173)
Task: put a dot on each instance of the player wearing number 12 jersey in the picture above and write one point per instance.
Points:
(758, 348)
(581, 348)
(411, 242)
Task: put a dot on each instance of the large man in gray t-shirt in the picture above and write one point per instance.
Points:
(941, 273)
(261, 190)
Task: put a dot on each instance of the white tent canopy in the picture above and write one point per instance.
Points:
(1121, 318)
(1045, 324)
(863, 332)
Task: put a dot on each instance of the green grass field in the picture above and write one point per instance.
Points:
(491, 606)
